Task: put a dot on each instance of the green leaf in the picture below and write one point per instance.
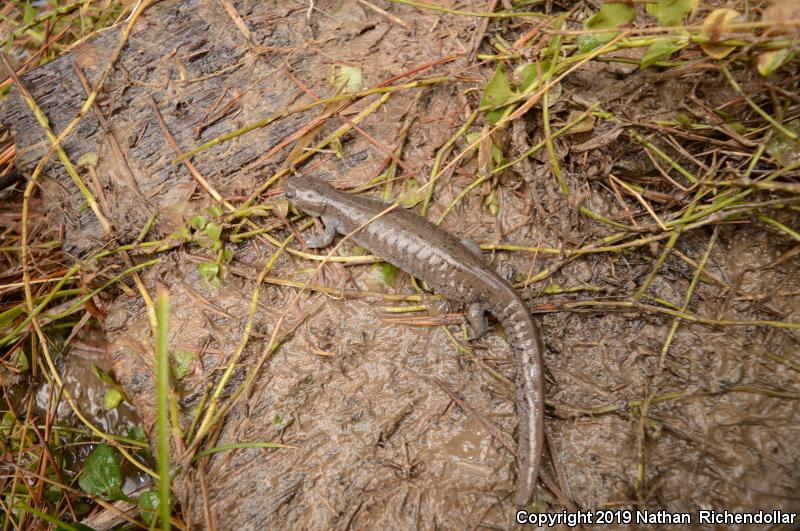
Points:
(81, 508)
(180, 234)
(213, 230)
(411, 195)
(101, 474)
(337, 147)
(6, 424)
(103, 375)
(29, 14)
(204, 241)
(281, 422)
(554, 45)
(7, 317)
(659, 51)
(181, 362)
(498, 90)
(351, 77)
(610, 16)
(472, 138)
(198, 222)
(208, 270)
(671, 12)
(491, 202)
(496, 115)
(215, 210)
(21, 361)
(148, 506)
(112, 398)
(386, 272)
(784, 149)
(528, 74)
(587, 42)
(497, 155)
(53, 494)
(552, 288)
(88, 159)
(137, 433)
(768, 62)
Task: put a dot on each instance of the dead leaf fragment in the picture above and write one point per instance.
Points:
(714, 27)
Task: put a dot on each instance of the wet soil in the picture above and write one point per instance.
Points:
(377, 439)
(84, 355)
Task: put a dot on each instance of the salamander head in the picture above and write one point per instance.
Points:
(308, 194)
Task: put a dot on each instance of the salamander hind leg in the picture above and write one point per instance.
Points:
(478, 319)
(318, 241)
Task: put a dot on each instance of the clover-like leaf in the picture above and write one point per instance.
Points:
(213, 230)
(498, 89)
(351, 77)
(497, 92)
(713, 27)
(198, 222)
(182, 362)
(112, 398)
(671, 12)
(148, 506)
(412, 194)
(209, 271)
(386, 272)
(610, 16)
(587, 42)
(101, 475)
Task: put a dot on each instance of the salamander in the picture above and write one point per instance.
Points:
(453, 269)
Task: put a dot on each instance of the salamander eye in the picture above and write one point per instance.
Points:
(288, 194)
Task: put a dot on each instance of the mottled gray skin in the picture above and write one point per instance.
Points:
(450, 268)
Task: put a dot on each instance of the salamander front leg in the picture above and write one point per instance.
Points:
(326, 238)
(473, 246)
(506, 271)
(477, 319)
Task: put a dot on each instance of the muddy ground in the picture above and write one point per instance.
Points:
(377, 438)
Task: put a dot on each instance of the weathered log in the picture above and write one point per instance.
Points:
(203, 75)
